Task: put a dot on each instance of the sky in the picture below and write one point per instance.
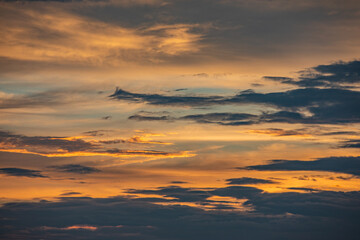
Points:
(179, 119)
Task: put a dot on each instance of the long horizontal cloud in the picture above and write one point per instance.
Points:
(304, 97)
(22, 172)
(351, 144)
(327, 106)
(75, 146)
(349, 165)
(45, 142)
(75, 168)
(247, 180)
(238, 119)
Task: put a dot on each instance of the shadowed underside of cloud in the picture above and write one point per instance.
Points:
(280, 216)
(340, 74)
(21, 172)
(247, 180)
(349, 165)
(75, 168)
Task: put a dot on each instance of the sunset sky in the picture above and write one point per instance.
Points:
(179, 119)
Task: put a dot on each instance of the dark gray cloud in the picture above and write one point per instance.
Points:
(178, 182)
(247, 180)
(171, 100)
(324, 105)
(238, 119)
(327, 106)
(182, 194)
(22, 172)
(139, 117)
(304, 189)
(351, 144)
(276, 216)
(350, 165)
(107, 117)
(75, 168)
(70, 193)
(340, 74)
(223, 118)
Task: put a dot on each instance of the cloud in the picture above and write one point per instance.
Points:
(349, 165)
(76, 146)
(328, 214)
(75, 168)
(323, 106)
(70, 193)
(339, 74)
(158, 99)
(107, 118)
(223, 118)
(139, 117)
(283, 132)
(54, 34)
(21, 172)
(179, 193)
(144, 138)
(178, 182)
(355, 143)
(247, 180)
(304, 189)
(45, 144)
